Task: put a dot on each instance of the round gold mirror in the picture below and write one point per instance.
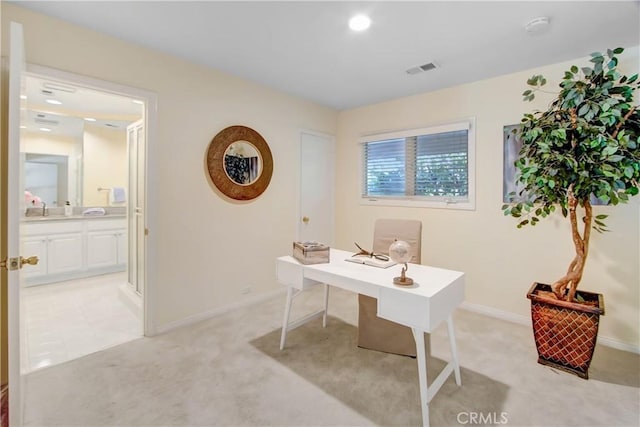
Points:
(239, 162)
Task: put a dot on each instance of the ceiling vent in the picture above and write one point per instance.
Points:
(42, 121)
(422, 68)
(59, 87)
(47, 92)
(111, 125)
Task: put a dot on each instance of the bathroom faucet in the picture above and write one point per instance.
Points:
(44, 209)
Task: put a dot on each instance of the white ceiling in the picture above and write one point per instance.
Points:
(306, 48)
(76, 105)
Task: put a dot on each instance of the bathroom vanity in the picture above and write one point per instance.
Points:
(70, 247)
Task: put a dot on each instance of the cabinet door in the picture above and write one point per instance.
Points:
(122, 246)
(102, 249)
(35, 246)
(64, 253)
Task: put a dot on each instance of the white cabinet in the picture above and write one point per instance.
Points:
(64, 253)
(106, 243)
(123, 246)
(73, 248)
(102, 249)
(34, 246)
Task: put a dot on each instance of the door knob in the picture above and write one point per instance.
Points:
(305, 219)
(32, 260)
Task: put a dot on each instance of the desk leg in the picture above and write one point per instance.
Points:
(418, 336)
(454, 350)
(287, 311)
(326, 305)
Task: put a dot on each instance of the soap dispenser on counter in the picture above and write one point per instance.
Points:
(68, 210)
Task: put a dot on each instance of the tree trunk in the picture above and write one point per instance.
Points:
(572, 279)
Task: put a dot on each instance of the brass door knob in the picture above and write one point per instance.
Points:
(305, 219)
(32, 260)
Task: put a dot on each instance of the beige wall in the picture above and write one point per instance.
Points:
(203, 249)
(499, 260)
(34, 142)
(105, 163)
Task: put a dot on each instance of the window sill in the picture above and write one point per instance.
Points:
(413, 203)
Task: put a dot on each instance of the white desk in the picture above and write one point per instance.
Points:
(430, 301)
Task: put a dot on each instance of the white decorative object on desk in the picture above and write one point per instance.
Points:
(400, 252)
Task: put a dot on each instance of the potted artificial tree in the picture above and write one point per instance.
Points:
(584, 147)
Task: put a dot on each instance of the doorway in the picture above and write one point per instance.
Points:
(81, 299)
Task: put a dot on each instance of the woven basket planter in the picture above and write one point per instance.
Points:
(565, 332)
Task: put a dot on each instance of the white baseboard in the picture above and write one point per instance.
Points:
(525, 320)
(218, 311)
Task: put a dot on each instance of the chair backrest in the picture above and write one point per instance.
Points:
(386, 231)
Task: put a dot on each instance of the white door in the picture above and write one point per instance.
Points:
(13, 204)
(317, 158)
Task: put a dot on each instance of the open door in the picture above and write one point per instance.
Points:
(11, 202)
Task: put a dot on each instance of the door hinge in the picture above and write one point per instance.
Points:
(10, 263)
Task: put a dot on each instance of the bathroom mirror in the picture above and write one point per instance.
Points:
(49, 177)
(239, 163)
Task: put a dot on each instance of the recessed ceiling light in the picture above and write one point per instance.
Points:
(23, 96)
(136, 101)
(53, 101)
(45, 129)
(359, 22)
(90, 119)
(23, 127)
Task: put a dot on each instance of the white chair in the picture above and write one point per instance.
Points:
(379, 334)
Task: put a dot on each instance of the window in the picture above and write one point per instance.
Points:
(430, 167)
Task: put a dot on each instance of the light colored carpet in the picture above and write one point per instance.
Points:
(229, 371)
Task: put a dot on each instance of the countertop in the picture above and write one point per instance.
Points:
(71, 217)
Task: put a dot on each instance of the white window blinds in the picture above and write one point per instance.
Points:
(428, 164)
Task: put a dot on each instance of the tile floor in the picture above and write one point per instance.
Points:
(66, 320)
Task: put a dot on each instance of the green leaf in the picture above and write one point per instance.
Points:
(583, 110)
(574, 69)
(602, 216)
(632, 190)
(533, 80)
(597, 69)
(628, 172)
(618, 50)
